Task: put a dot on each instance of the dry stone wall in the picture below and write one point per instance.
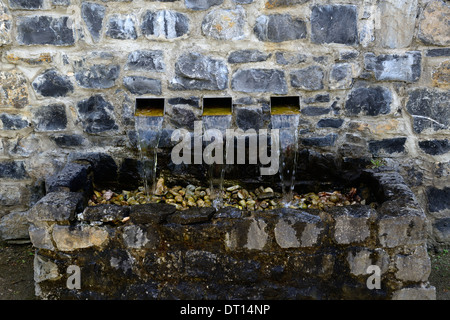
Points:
(372, 77)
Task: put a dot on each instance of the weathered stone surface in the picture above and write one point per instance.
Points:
(5, 25)
(429, 109)
(14, 170)
(434, 27)
(317, 98)
(13, 90)
(399, 20)
(153, 213)
(298, 230)
(279, 28)
(315, 111)
(310, 78)
(98, 76)
(438, 199)
(93, 15)
(73, 177)
(138, 237)
(249, 117)
(435, 147)
(50, 118)
(84, 236)
(353, 226)
(247, 234)
(370, 101)
(388, 146)
(56, 207)
(10, 195)
(26, 4)
(104, 213)
(341, 76)
(52, 84)
(191, 216)
(415, 294)
(68, 140)
(40, 237)
(287, 58)
(395, 67)
(45, 30)
(440, 52)
(323, 141)
(44, 269)
(441, 230)
(146, 60)
(259, 80)
(122, 27)
(201, 4)
(414, 267)
(441, 75)
(165, 23)
(12, 122)
(224, 24)
(330, 123)
(142, 85)
(14, 226)
(283, 3)
(194, 71)
(244, 56)
(401, 230)
(96, 114)
(182, 116)
(334, 24)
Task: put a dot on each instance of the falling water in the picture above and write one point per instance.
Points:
(149, 133)
(288, 125)
(216, 171)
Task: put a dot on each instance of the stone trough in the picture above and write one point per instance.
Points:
(153, 251)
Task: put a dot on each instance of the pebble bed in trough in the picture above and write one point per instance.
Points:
(235, 196)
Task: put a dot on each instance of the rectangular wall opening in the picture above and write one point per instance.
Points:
(217, 106)
(149, 107)
(285, 105)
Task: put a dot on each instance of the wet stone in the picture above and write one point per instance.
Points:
(151, 213)
(195, 71)
(50, 118)
(334, 24)
(121, 27)
(52, 84)
(105, 213)
(73, 177)
(259, 80)
(142, 85)
(37, 30)
(57, 206)
(165, 23)
(93, 14)
(96, 114)
(97, 76)
(325, 141)
(249, 118)
(192, 215)
(146, 60)
(370, 101)
(310, 78)
(279, 28)
(244, 56)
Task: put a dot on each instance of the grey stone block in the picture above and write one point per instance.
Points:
(259, 80)
(279, 28)
(37, 30)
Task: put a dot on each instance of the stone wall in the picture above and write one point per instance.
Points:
(154, 251)
(372, 77)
